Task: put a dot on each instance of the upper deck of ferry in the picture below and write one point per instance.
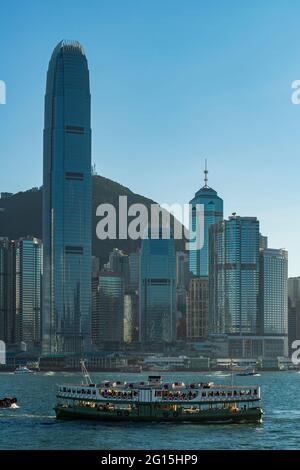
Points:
(155, 390)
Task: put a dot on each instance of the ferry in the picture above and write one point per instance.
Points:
(156, 400)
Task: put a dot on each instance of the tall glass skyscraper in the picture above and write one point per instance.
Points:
(29, 268)
(213, 212)
(158, 291)
(67, 202)
(274, 292)
(234, 276)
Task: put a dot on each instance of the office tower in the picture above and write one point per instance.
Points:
(119, 263)
(293, 311)
(158, 290)
(234, 276)
(8, 327)
(131, 309)
(197, 309)
(212, 207)
(108, 317)
(273, 292)
(263, 242)
(182, 270)
(29, 268)
(134, 271)
(67, 203)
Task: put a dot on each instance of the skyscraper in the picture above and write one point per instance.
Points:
(234, 276)
(197, 309)
(213, 212)
(29, 268)
(108, 316)
(67, 202)
(273, 292)
(158, 291)
(8, 326)
(293, 311)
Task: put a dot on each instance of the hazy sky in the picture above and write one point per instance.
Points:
(172, 82)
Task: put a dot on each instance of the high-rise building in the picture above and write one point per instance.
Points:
(182, 270)
(29, 269)
(119, 263)
(234, 276)
(131, 326)
(134, 270)
(108, 316)
(197, 309)
(158, 290)
(8, 326)
(67, 203)
(211, 205)
(21, 266)
(293, 311)
(273, 292)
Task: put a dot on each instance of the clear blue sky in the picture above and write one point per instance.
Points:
(172, 82)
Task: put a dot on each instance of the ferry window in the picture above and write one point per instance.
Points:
(204, 394)
(94, 392)
(229, 394)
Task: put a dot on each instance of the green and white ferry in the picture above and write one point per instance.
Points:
(155, 400)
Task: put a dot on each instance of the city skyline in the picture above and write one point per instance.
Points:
(216, 107)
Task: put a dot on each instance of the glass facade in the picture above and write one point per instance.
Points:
(108, 316)
(67, 230)
(274, 292)
(213, 212)
(234, 276)
(29, 268)
(158, 291)
(8, 327)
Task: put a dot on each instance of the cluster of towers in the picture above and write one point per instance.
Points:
(234, 289)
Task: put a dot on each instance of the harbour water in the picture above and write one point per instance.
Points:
(33, 425)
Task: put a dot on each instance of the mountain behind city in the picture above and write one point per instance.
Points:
(21, 215)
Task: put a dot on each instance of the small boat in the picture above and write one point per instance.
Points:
(247, 371)
(24, 370)
(8, 402)
(153, 400)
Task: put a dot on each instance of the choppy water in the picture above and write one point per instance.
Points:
(33, 425)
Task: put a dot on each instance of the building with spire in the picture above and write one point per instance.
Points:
(208, 202)
(67, 232)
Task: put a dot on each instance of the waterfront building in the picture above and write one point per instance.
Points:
(8, 327)
(182, 270)
(21, 267)
(234, 276)
(211, 205)
(293, 311)
(197, 309)
(273, 292)
(29, 270)
(157, 291)
(67, 229)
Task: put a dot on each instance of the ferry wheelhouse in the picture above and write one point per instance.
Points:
(155, 400)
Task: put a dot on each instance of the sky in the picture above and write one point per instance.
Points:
(173, 82)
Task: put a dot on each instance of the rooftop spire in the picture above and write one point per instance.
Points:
(206, 175)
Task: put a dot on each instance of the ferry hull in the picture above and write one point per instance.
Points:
(251, 415)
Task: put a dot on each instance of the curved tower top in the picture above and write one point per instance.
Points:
(212, 206)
